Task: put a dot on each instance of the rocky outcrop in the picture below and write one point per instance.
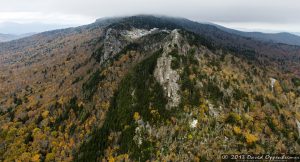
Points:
(138, 33)
(272, 83)
(165, 75)
(113, 44)
(168, 78)
(115, 40)
(298, 126)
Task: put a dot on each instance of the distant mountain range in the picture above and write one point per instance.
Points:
(10, 37)
(297, 34)
(17, 31)
(11, 31)
(284, 37)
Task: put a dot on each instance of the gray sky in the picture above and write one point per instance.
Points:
(262, 15)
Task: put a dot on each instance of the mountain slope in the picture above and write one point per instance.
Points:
(142, 88)
(9, 37)
(285, 38)
(6, 37)
(286, 57)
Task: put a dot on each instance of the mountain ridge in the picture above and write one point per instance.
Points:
(282, 37)
(10, 37)
(145, 88)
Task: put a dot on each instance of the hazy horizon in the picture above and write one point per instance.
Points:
(26, 28)
(36, 16)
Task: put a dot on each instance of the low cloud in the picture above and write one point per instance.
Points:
(278, 14)
(46, 18)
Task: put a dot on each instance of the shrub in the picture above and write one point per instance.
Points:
(250, 138)
(136, 116)
(296, 81)
(50, 157)
(237, 130)
(239, 94)
(233, 118)
(175, 64)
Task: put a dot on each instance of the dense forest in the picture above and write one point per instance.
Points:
(146, 88)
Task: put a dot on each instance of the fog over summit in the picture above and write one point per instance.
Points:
(268, 15)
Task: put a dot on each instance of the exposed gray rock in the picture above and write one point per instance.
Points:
(298, 126)
(272, 83)
(116, 40)
(138, 33)
(113, 44)
(165, 75)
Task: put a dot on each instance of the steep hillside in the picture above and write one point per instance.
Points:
(286, 57)
(142, 88)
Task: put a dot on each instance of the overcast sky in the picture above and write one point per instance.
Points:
(262, 15)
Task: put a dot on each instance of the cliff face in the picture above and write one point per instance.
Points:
(112, 45)
(165, 75)
(138, 89)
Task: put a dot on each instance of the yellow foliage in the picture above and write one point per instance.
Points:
(277, 88)
(248, 118)
(72, 142)
(204, 107)
(237, 130)
(155, 113)
(233, 117)
(291, 96)
(63, 153)
(201, 111)
(270, 96)
(45, 114)
(297, 115)
(105, 105)
(250, 138)
(50, 157)
(36, 130)
(276, 122)
(111, 159)
(126, 156)
(122, 157)
(54, 143)
(61, 100)
(54, 133)
(25, 156)
(35, 158)
(47, 129)
(136, 116)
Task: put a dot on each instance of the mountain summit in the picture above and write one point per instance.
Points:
(146, 88)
